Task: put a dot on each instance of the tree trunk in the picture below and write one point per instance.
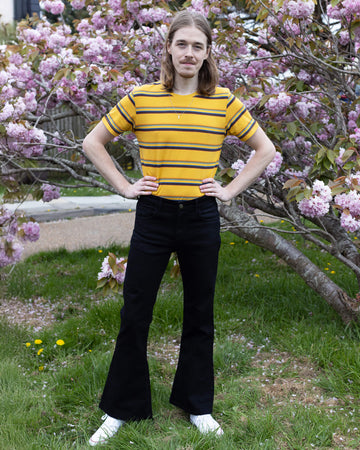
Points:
(248, 228)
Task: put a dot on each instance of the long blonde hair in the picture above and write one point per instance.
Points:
(208, 74)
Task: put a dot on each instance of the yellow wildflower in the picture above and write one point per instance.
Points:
(60, 342)
(40, 351)
(41, 368)
(38, 341)
(28, 344)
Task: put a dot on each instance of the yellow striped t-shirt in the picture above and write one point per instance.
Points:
(180, 136)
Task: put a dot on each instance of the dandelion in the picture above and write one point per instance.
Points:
(60, 342)
(257, 275)
(130, 209)
(246, 242)
(28, 344)
(326, 268)
(232, 243)
(41, 368)
(38, 341)
(90, 350)
(100, 251)
(40, 351)
(332, 272)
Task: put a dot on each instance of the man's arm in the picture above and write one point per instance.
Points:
(94, 148)
(264, 154)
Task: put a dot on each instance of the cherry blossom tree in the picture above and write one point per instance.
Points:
(294, 63)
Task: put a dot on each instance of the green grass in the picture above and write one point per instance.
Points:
(287, 370)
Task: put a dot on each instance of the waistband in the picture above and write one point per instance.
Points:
(176, 204)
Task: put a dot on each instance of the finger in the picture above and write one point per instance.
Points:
(208, 180)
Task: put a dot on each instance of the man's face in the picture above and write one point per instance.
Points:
(188, 50)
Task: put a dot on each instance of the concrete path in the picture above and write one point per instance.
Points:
(75, 223)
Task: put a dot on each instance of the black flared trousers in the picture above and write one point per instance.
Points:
(191, 229)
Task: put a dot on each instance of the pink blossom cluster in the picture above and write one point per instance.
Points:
(24, 139)
(55, 7)
(31, 231)
(349, 203)
(353, 180)
(78, 4)
(272, 169)
(319, 203)
(238, 166)
(50, 192)
(278, 104)
(262, 65)
(293, 173)
(346, 12)
(299, 9)
(12, 234)
(343, 9)
(107, 272)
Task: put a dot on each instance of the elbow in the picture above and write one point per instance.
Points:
(272, 151)
(268, 152)
(86, 145)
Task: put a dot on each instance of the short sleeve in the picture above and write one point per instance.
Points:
(240, 123)
(122, 117)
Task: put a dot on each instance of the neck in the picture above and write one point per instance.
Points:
(185, 86)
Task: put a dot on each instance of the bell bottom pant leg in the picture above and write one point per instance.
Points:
(193, 387)
(127, 392)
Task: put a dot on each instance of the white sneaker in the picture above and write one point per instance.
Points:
(106, 431)
(205, 423)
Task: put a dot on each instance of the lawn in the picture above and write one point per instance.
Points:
(287, 369)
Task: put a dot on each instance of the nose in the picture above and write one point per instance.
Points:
(189, 51)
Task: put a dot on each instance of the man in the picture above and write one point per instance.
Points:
(180, 124)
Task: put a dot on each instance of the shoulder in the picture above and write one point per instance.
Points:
(222, 91)
(149, 89)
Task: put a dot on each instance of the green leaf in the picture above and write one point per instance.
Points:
(264, 99)
(347, 154)
(338, 190)
(112, 263)
(331, 155)
(292, 128)
(101, 283)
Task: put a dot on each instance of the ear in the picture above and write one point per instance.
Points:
(168, 47)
